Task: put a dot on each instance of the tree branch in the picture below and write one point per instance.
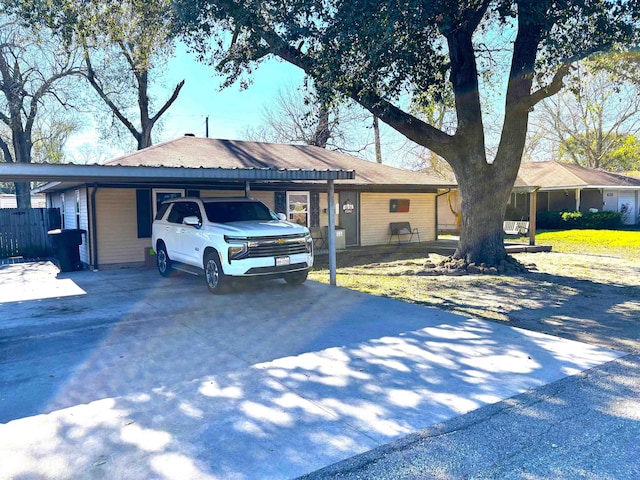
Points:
(6, 152)
(91, 77)
(552, 88)
(169, 102)
(411, 127)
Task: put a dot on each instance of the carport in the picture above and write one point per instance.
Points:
(97, 175)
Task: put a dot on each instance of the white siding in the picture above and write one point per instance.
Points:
(84, 224)
(375, 216)
(8, 200)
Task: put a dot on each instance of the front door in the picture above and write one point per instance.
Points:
(349, 214)
(627, 206)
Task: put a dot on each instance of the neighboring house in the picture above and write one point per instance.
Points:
(116, 202)
(560, 186)
(565, 186)
(8, 200)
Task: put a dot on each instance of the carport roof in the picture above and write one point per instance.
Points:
(141, 174)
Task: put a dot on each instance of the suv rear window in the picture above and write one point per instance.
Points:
(225, 212)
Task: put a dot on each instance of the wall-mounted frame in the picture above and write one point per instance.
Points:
(399, 205)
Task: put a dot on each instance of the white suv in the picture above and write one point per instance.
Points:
(229, 237)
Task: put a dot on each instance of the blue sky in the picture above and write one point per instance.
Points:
(231, 111)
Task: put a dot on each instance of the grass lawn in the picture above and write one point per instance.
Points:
(615, 243)
(589, 280)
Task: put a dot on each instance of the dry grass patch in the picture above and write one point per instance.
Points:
(579, 296)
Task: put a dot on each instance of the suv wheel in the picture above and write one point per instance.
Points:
(296, 278)
(163, 261)
(216, 279)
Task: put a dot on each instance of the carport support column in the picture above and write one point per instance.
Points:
(331, 232)
(533, 211)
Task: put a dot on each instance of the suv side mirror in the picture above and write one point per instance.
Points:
(282, 216)
(192, 220)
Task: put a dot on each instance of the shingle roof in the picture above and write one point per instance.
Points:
(197, 152)
(551, 175)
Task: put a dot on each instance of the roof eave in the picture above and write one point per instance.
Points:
(93, 173)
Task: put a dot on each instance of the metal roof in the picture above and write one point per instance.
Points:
(16, 172)
(198, 152)
(553, 175)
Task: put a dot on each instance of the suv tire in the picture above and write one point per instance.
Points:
(296, 278)
(217, 281)
(163, 261)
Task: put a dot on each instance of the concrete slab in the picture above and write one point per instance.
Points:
(144, 377)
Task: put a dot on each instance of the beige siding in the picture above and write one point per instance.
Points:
(118, 241)
(221, 193)
(375, 216)
(446, 219)
(324, 215)
(268, 198)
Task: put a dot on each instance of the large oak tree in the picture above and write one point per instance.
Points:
(379, 52)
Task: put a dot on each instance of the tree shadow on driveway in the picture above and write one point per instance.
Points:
(143, 376)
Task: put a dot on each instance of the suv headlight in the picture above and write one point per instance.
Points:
(309, 240)
(238, 251)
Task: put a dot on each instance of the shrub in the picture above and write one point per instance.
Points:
(579, 220)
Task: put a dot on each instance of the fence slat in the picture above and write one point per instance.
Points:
(23, 231)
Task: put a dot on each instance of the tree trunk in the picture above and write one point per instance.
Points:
(144, 139)
(376, 139)
(484, 191)
(23, 194)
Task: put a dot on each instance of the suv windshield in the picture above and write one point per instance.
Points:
(225, 212)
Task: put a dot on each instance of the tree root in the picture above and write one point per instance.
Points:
(452, 266)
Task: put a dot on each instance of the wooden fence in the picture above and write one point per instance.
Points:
(23, 231)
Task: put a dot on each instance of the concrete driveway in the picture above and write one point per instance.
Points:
(124, 374)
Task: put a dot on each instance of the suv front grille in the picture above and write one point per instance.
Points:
(276, 246)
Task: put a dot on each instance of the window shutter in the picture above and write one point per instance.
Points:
(281, 202)
(314, 221)
(144, 212)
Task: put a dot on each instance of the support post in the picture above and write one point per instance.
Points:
(533, 207)
(331, 232)
(247, 189)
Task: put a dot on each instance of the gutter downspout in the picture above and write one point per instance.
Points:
(439, 195)
(94, 228)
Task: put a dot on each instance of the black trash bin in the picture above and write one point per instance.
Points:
(66, 243)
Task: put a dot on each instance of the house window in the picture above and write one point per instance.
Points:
(160, 195)
(298, 207)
